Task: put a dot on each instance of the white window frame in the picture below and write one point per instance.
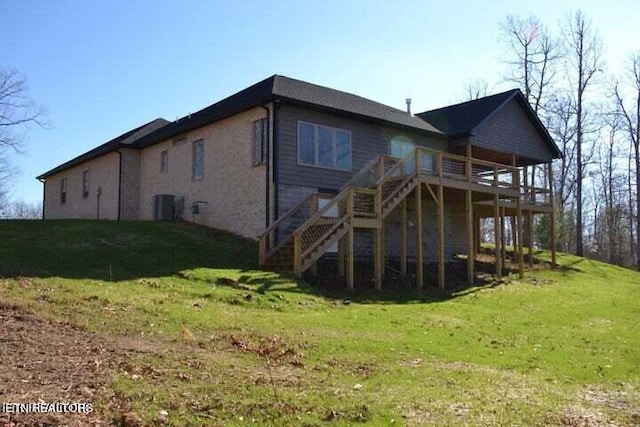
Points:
(316, 163)
(196, 174)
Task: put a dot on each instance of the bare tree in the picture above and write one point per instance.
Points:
(16, 109)
(585, 53)
(531, 59)
(17, 112)
(19, 209)
(533, 54)
(631, 121)
(8, 173)
(475, 89)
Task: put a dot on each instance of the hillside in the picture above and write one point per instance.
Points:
(171, 324)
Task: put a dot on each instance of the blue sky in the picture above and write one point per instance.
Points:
(104, 67)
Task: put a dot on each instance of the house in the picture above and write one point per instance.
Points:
(311, 171)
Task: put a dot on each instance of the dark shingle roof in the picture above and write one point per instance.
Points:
(460, 120)
(336, 100)
(287, 89)
(124, 140)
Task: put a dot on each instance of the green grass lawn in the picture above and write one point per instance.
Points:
(235, 345)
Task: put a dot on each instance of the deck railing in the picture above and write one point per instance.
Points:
(312, 228)
(460, 168)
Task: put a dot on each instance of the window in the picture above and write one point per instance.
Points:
(164, 161)
(198, 160)
(63, 191)
(260, 140)
(324, 146)
(86, 184)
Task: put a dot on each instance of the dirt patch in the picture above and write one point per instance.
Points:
(52, 362)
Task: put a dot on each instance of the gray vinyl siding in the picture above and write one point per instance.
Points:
(510, 131)
(367, 141)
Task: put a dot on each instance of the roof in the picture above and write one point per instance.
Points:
(127, 139)
(286, 89)
(336, 100)
(461, 120)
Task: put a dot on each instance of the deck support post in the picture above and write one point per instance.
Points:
(441, 264)
(530, 238)
(471, 252)
(312, 211)
(403, 237)
(378, 257)
(496, 235)
(503, 236)
(478, 222)
(350, 258)
(350, 239)
(552, 224)
(419, 254)
(341, 253)
(519, 234)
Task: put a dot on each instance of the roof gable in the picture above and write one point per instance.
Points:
(465, 119)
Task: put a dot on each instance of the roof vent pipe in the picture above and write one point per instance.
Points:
(409, 105)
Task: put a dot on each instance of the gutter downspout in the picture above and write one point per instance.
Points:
(267, 181)
(119, 183)
(276, 107)
(44, 195)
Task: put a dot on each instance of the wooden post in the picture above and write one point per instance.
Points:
(530, 237)
(341, 250)
(419, 254)
(552, 224)
(378, 257)
(403, 237)
(297, 266)
(471, 252)
(350, 240)
(441, 264)
(313, 209)
(519, 235)
(478, 239)
(496, 234)
(503, 236)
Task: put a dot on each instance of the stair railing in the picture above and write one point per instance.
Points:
(396, 178)
(282, 229)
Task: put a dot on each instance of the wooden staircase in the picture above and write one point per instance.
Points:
(363, 202)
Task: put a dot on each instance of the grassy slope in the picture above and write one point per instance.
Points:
(554, 349)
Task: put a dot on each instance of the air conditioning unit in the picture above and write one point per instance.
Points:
(163, 207)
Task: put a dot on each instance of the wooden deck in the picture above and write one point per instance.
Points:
(487, 190)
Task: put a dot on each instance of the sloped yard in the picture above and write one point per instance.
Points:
(171, 324)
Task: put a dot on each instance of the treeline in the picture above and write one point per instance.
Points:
(593, 115)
